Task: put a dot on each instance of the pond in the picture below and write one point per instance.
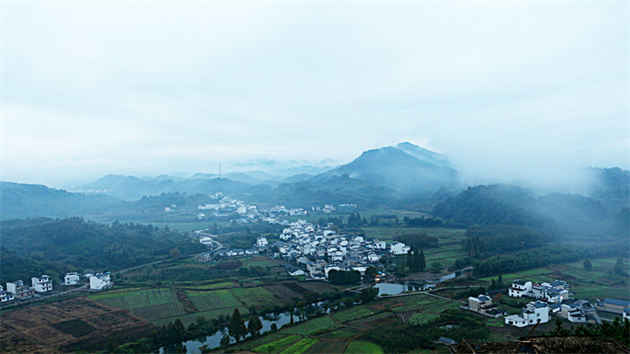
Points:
(213, 341)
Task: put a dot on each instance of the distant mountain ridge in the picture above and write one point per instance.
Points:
(405, 168)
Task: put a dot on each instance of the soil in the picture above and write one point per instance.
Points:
(37, 328)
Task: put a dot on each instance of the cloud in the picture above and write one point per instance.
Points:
(143, 87)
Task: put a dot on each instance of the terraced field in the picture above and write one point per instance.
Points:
(150, 304)
(213, 300)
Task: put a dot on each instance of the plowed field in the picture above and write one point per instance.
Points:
(44, 328)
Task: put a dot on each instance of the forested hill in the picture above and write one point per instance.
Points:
(33, 200)
(498, 204)
(45, 246)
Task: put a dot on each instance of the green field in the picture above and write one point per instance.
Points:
(277, 345)
(389, 233)
(360, 347)
(312, 326)
(352, 314)
(213, 300)
(300, 347)
(422, 318)
(256, 296)
(150, 304)
(586, 285)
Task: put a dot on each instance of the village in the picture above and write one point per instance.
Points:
(43, 285)
(317, 250)
(313, 252)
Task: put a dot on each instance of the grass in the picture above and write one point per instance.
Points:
(277, 345)
(312, 326)
(256, 296)
(359, 347)
(213, 300)
(134, 299)
(221, 285)
(422, 318)
(300, 347)
(352, 314)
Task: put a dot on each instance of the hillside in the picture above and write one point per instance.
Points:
(497, 204)
(405, 168)
(70, 244)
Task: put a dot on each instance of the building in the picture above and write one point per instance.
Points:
(478, 303)
(520, 288)
(261, 242)
(534, 312)
(5, 296)
(204, 257)
(398, 248)
(42, 284)
(72, 278)
(626, 313)
(101, 281)
(19, 290)
(612, 305)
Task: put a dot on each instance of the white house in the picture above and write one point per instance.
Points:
(380, 245)
(534, 312)
(5, 296)
(41, 284)
(373, 257)
(261, 242)
(398, 248)
(577, 316)
(100, 281)
(520, 288)
(71, 278)
(626, 313)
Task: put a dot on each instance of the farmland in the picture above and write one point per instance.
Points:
(598, 283)
(68, 325)
(163, 305)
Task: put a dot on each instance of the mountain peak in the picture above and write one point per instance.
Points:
(402, 167)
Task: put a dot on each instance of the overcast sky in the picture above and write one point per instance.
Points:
(149, 88)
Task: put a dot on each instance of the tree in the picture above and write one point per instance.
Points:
(225, 341)
(368, 294)
(175, 253)
(618, 268)
(587, 265)
(236, 327)
(254, 325)
(422, 263)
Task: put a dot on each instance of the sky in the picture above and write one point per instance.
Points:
(526, 90)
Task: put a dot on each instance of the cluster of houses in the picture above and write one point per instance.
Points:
(19, 290)
(548, 298)
(319, 250)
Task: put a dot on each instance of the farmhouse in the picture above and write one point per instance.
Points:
(71, 278)
(483, 305)
(534, 312)
(42, 284)
(204, 257)
(5, 296)
(398, 248)
(19, 290)
(101, 281)
(520, 288)
(612, 305)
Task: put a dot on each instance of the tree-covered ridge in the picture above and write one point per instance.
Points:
(568, 214)
(495, 204)
(80, 244)
(505, 238)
